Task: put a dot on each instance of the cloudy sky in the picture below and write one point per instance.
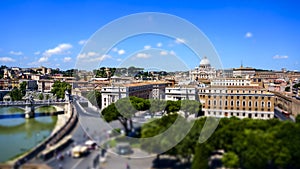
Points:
(261, 34)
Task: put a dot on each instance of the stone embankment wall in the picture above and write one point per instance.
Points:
(51, 140)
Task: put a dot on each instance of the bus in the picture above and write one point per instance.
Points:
(79, 151)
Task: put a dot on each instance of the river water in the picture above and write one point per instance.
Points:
(18, 135)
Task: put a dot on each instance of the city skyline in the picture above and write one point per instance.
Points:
(257, 34)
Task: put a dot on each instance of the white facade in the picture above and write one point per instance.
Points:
(204, 71)
(142, 90)
(113, 93)
(230, 82)
(181, 93)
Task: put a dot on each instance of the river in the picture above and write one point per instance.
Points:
(19, 135)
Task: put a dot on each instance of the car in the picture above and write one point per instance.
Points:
(123, 148)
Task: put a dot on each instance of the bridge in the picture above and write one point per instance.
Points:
(30, 107)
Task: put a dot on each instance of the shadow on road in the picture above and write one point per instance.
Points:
(168, 163)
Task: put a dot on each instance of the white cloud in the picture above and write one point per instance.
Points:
(248, 35)
(92, 57)
(43, 59)
(147, 47)
(67, 59)
(159, 44)
(119, 59)
(163, 53)
(82, 42)
(87, 55)
(60, 49)
(37, 53)
(172, 52)
(142, 55)
(16, 53)
(180, 40)
(121, 51)
(7, 59)
(280, 57)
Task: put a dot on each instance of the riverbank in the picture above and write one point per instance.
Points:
(63, 126)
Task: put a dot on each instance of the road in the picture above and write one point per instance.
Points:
(91, 126)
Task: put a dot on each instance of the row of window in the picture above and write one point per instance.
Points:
(239, 103)
(226, 114)
(231, 91)
(230, 84)
(238, 97)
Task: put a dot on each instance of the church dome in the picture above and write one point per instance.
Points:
(204, 61)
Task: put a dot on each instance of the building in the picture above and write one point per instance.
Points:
(230, 82)
(181, 93)
(204, 71)
(45, 85)
(243, 72)
(239, 101)
(146, 90)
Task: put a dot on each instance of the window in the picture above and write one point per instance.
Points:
(238, 103)
(209, 102)
(220, 102)
(244, 97)
(256, 105)
(215, 102)
(262, 104)
(238, 97)
(244, 114)
(249, 103)
(244, 103)
(226, 102)
(231, 103)
(269, 104)
(238, 114)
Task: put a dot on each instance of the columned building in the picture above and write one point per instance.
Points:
(181, 93)
(145, 90)
(204, 71)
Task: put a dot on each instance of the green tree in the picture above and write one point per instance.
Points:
(230, 160)
(173, 106)
(41, 96)
(59, 88)
(190, 107)
(15, 94)
(94, 97)
(157, 106)
(287, 89)
(122, 111)
(47, 96)
(23, 88)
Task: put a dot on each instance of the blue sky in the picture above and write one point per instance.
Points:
(261, 34)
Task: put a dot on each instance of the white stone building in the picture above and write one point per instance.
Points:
(204, 71)
(181, 93)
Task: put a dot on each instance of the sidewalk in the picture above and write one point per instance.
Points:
(61, 120)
